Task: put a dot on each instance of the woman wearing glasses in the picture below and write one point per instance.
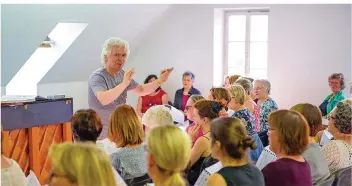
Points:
(266, 104)
(337, 84)
(339, 150)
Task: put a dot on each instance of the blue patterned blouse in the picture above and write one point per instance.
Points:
(247, 118)
(264, 110)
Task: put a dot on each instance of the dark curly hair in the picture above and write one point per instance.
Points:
(343, 116)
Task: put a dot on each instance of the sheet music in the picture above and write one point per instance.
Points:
(214, 168)
(32, 179)
(17, 98)
(203, 177)
(108, 146)
(265, 158)
(325, 138)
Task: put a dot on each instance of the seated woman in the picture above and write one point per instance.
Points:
(155, 116)
(11, 172)
(227, 82)
(249, 102)
(230, 142)
(125, 129)
(337, 84)
(288, 138)
(313, 155)
(247, 117)
(168, 155)
(339, 150)
(86, 128)
(266, 105)
(189, 110)
(158, 97)
(233, 79)
(204, 112)
(222, 96)
(182, 95)
(93, 166)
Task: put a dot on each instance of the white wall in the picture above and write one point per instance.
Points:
(306, 44)
(78, 90)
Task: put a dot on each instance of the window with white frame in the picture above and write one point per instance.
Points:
(246, 43)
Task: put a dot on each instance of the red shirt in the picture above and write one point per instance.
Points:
(149, 101)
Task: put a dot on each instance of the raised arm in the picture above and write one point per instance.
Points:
(139, 107)
(98, 85)
(145, 89)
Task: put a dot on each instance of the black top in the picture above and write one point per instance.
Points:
(195, 170)
(179, 93)
(246, 175)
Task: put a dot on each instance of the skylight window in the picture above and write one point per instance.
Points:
(43, 59)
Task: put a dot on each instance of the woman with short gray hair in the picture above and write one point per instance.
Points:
(266, 105)
(338, 151)
(182, 95)
(336, 84)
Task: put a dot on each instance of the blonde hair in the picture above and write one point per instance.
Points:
(171, 149)
(158, 115)
(125, 126)
(238, 93)
(194, 98)
(83, 163)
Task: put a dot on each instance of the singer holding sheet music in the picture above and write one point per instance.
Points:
(108, 85)
(182, 95)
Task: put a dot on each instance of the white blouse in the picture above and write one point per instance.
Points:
(13, 176)
(338, 154)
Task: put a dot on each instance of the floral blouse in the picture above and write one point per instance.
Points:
(247, 118)
(264, 110)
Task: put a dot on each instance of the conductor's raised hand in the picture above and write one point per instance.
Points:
(128, 76)
(164, 75)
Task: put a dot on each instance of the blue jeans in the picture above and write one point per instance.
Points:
(254, 154)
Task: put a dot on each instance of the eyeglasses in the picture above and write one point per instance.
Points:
(188, 107)
(331, 117)
(270, 128)
(333, 82)
(258, 88)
